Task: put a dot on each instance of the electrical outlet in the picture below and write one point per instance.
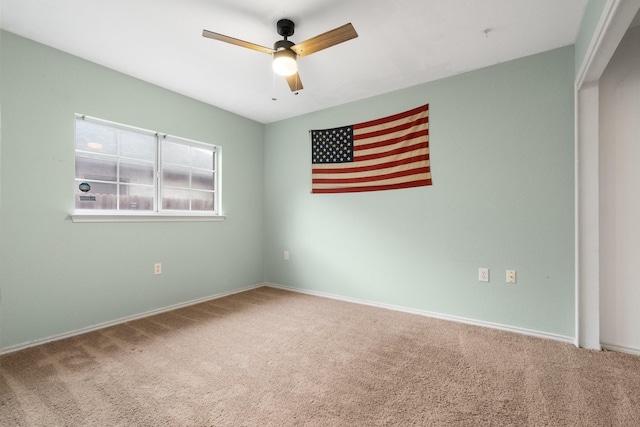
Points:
(483, 274)
(511, 276)
(157, 268)
(286, 255)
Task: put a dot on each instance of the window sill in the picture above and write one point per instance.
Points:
(143, 217)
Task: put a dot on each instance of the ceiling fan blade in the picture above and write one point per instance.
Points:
(237, 42)
(295, 84)
(325, 40)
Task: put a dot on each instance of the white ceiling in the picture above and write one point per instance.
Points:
(401, 43)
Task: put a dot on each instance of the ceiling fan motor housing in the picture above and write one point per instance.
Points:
(282, 45)
(285, 28)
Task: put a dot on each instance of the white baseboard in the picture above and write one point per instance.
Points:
(621, 349)
(28, 344)
(539, 334)
(518, 330)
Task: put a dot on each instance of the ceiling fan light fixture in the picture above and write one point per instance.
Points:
(284, 62)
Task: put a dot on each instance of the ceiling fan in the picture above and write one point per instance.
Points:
(285, 53)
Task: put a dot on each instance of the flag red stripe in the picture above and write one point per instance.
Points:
(374, 188)
(392, 118)
(408, 125)
(420, 158)
(418, 134)
(408, 172)
(392, 152)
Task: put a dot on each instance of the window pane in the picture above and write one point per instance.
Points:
(202, 201)
(96, 168)
(175, 176)
(95, 137)
(202, 180)
(136, 173)
(136, 197)
(101, 196)
(202, 159)
(177, 154)
(137, 145)
(175, 199)
(121, 165)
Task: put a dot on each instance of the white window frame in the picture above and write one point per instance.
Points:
(158, 213)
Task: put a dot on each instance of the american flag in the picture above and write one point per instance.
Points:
(383, 154)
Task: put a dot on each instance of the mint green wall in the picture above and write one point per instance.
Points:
(502, 197)
(589, 22)
(57, 276)
(502, 150)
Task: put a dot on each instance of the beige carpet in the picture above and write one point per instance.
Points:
(268, 357)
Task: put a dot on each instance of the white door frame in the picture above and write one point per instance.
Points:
(614, 22)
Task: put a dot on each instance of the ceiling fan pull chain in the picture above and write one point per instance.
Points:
(274, 97)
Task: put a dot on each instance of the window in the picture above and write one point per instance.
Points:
(128, 173)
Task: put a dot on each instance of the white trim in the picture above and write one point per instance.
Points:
(151, 217)
(587, 219)
(98, 120)
(614, 21)
(584, 73)
(80, 116)
(576, 221)
(586, 297)
(621, 349)
(498, 326)
(58, 337)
